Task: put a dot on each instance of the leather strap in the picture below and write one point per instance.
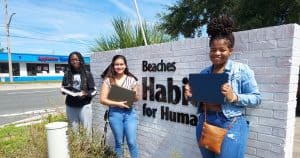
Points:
(229, 126)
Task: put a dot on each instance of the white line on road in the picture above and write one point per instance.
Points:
(32, 92)
(32, 112)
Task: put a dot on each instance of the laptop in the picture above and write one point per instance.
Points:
(207, 87)
(118, 93)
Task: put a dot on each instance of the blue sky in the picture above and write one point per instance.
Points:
(62, 26)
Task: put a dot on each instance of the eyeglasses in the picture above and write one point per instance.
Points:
(75, 60)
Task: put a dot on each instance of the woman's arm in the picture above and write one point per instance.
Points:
(250, 95)
(64, 83)
(105, 101)
(91, 85)
(136, 90)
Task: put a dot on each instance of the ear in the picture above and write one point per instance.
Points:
(230, 51)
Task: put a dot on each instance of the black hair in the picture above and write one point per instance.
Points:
(82, 71)
(221, 28)
(110, 73)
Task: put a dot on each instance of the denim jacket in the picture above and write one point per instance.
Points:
(241, 78)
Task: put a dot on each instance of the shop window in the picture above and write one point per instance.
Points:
(60, 68)
(3, 68)
(33, 69)
(15, 68)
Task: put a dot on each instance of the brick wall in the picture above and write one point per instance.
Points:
(274, 55)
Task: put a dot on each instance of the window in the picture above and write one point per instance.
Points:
(33, 69)
(15, 68)
(60, 68)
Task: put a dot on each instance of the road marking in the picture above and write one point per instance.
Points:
(32, 112)
(32, 92)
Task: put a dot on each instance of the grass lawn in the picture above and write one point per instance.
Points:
(31, 142)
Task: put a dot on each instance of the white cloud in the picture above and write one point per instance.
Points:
(123, 7)
(63, 26)
(74, 36)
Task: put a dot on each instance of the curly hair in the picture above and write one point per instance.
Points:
(221, 28)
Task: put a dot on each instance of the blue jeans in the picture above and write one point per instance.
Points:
(235, 141)
(123, 122)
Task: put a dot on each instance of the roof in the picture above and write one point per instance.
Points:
(37, 58)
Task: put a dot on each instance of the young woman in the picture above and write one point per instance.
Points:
(80, 81)
(122, 118)
(240, 92)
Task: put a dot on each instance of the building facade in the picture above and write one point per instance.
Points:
(34, 67)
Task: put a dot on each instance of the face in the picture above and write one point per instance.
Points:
(119, 66)
(75, 61)
(219, 52)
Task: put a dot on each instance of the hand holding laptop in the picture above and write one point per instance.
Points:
(227, 91)
(123, 95)
(187, 89)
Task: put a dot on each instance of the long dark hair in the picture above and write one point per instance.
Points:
(82, 71)
(110, 73)
(221, 28)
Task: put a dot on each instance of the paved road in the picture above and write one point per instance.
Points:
(20, 101)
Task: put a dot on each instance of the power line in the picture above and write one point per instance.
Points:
(43, 39)
(41, 33)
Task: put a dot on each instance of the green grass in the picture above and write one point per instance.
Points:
(11, 139)
(31, 142)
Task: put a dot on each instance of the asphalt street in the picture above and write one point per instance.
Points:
(20, 104)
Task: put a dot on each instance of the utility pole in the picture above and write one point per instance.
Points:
(140, 22)
(8, 20)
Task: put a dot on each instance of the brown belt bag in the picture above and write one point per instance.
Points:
(212, 136)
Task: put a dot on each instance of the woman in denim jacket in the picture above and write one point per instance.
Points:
(240, 92)
(122, 118)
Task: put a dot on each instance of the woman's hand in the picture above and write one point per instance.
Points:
(188, 91)
(82, 94)
(227, 91)
(122, 104)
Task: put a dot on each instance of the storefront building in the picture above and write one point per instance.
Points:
(34, 67)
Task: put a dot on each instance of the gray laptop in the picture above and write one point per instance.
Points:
(207, 87)
(121, 94)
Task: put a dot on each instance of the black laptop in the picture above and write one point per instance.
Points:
(121, 94)
(207, 87)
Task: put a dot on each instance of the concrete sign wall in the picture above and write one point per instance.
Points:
(166, 126)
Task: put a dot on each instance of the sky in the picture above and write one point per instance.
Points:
(58, 27)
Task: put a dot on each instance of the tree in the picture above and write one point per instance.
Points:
(188, 17)
(126, 36)
(263, 13)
